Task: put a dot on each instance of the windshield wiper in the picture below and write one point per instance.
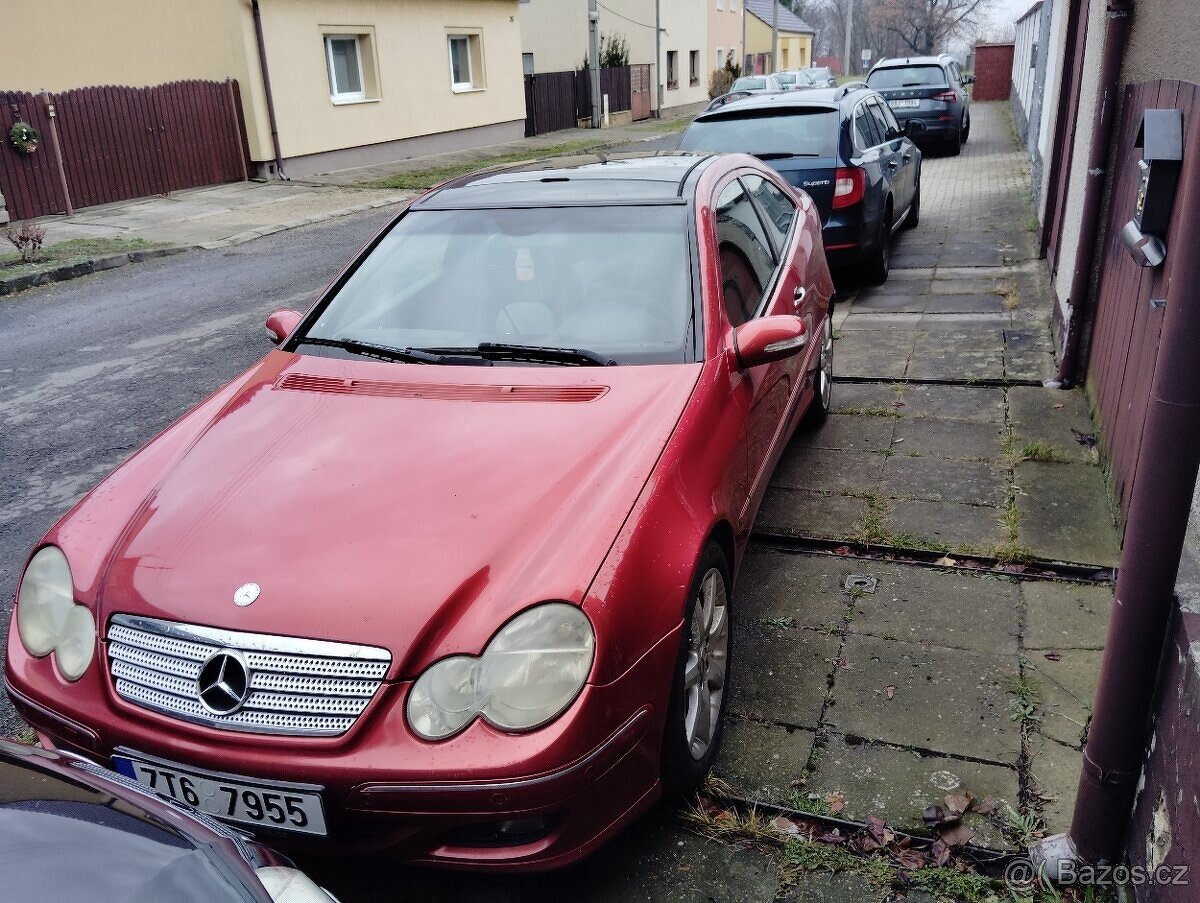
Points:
(502, 351)
(782, 155)
(389, 353)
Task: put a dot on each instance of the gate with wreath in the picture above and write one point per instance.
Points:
(104, 144)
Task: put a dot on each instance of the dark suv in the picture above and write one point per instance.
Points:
(931, 89)
(844, 148)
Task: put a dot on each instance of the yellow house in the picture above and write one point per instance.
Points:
(352, 82)
(795, 35)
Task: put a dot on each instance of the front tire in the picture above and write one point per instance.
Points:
(699, 697)
(822, 403)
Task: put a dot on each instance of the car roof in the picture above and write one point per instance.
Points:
(827, 98)
(583, 180)
(940, 60)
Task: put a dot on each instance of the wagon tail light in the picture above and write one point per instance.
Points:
(945, 97)
(849, 184)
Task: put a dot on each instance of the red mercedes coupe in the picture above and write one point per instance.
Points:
(449, 573)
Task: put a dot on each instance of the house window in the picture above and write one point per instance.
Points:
(720, 57)
(672, 69)
(466, 62)
(733, 6)
(527, 63)
(343, 56)
(720, 4)
(694, 68)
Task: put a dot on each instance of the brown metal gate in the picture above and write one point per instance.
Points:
(1126, 325)
(639, 90)
(118, 143)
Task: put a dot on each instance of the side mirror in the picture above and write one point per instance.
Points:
(968, 80)
(914, 127)
(281, 323)
(768, 339)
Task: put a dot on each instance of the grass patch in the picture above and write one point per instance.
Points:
(1037, 450)
(67, 253)
(1012, 298)
(870, 412)
(427, 178)
(1023, 704)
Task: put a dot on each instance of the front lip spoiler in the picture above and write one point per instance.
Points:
(61, 725)
(384, 796)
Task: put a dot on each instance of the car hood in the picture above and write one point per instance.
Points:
(404, 506)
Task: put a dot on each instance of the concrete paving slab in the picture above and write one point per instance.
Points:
(1068, 687)
(1066, 615)
(876, 342)
(949, 364)
(863, 396)
(1050, 415)
(880, 321)
(781, 674)
(1054, 774)
(1065, 513)
(929, 608)
(960, 304)
(978, 285)
(949, 439)
(945, 700)
(978, 403)
(943, 480)
(872, 302)
(804, 589)
(815, 469)
(944, 525)
(763, 761)
(846, 431)
(897, 784)
(800, 513)
(875, 366)
(839, 887)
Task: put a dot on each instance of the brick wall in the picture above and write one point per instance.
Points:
(993, 72)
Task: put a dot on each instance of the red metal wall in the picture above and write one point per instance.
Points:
(119, 143)
(1125, 327)
(993, 72)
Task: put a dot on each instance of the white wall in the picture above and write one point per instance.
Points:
(685, 28)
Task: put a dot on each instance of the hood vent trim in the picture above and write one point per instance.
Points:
(332, 385)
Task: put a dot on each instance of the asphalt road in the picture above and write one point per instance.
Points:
(92, 369)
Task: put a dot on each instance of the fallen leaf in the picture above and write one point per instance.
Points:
(890, 690)
(1058, 407)
(842, 550)
(946, 561)
(912, 859)
(958, 804)
(986, 806)
(937, 817)
(1053, 656)
(836, 802)
(958, 836)
(784, 825)
(898, 404)
(939, 853)
(833, 837)
(879, 830)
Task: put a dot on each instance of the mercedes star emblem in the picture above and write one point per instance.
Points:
(224, 682)
(246, 594)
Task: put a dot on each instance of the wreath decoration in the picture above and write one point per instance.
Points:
(24, 137)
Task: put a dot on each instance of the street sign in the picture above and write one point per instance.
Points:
(866, 56)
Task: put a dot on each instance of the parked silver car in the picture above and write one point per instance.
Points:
(758, 84)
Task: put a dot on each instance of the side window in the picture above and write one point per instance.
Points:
(777, 208)
(888, 117)
(864, 129)
(955, 74)
(746, 259)
(881, 124)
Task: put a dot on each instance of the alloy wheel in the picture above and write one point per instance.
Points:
(825, 374)
(705, 666)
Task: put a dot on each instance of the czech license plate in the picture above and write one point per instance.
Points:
(904, 104)
(281, 806)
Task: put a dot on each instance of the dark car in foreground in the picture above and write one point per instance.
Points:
(449, 574)
(929, 89)
(71, 830)
(841, 146)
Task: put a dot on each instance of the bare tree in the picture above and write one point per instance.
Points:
(925, 26)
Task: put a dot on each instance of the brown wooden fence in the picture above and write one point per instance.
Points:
(1125, 335)
(558, 100)
(119, 143)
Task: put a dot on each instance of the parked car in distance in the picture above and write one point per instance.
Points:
(822, 76)
(840, 145)
(758, 84)
(797, 79)
(931, 89)
(71, 830)
(428, 580)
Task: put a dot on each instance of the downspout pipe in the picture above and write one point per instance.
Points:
(1154, 538)
(1116, 36)
(266, 77)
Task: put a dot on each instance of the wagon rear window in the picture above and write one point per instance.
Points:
(803, 131)
(907, 77)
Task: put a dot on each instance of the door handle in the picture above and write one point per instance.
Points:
(798, 295)
(892, 164)
(908, 156)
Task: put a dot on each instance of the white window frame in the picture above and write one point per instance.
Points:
(720, 58)
(469, 85)
(345, 96)
(721, 5)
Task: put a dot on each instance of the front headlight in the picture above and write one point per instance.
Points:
(48, 620)
(533, 668)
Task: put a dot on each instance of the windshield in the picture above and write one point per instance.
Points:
(611, 280)
(786, 78)
(808, 132)
(907, 77)
(749, 84)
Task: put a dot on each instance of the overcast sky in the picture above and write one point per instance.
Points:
(1006, 11)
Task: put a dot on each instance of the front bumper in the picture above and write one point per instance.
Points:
(481, 800)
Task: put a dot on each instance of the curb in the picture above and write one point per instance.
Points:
(113, 261)
(84, 268)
